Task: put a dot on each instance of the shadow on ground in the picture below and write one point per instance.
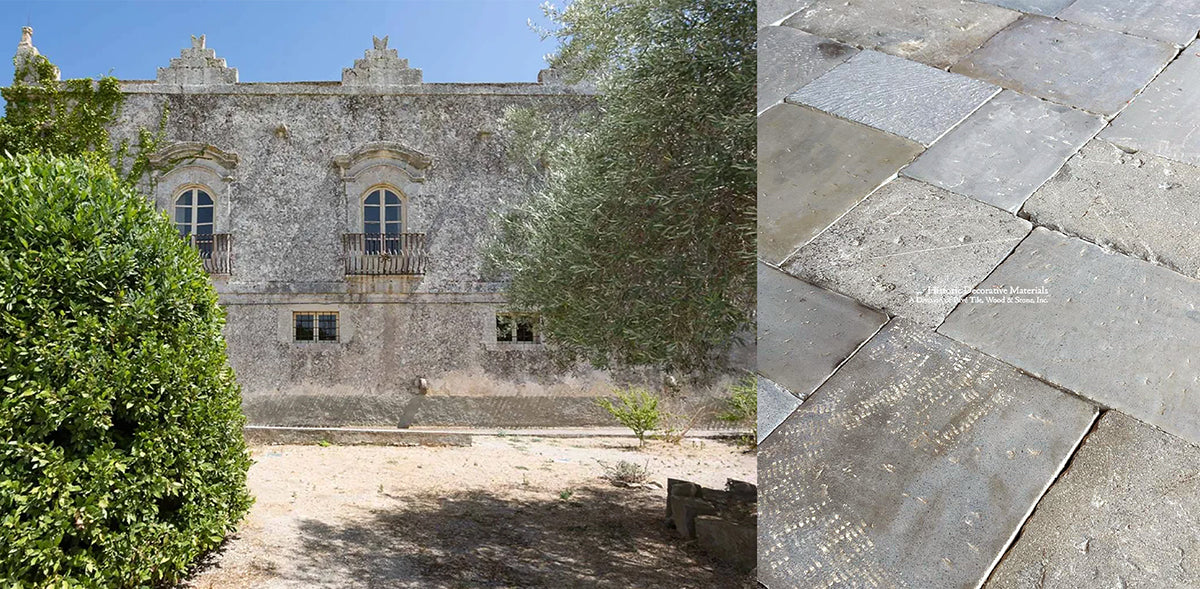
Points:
(596, 537)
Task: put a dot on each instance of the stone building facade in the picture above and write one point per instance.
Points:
(342, 223)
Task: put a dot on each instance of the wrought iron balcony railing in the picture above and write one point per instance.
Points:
(385, 253)
(215, 249)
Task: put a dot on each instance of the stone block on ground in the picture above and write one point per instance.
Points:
(1174, 21)
(1163, 119)
(684, 511)
(805, 332)
(1124, 515)
(1139, 204)
(1077, 65)
(911, 249)
(734, 543)
(896, 95)
(911, 468)
(790, 58)
(1005, 150)
(812, 168)
(933, 32)
(1117, 330)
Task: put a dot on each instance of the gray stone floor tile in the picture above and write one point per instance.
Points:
(812, 167)
(1164, 118)
(1139, 204)
(775, 404)
(1042, 7)
(1117, 330)
(911, 468)
(1005, 150)
(805, 332)
(1085, 67)
(906, 245)
(1174, 21)
(896, 95)
(1124, 515)
(790, 58)
(773, 11)
(933, 32)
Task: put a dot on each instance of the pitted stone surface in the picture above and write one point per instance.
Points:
(1124, 515)
(1174, 21)
(1077, 65)
(772, 11)
(1006, 149)
(1119, 331)
(896, 95)
(933, 32)
(1164, 118)
(775, 404)
(1042, 7)
(790, 58)
(805, 332)
(911, 468)
(1139, 204)
(905, 241)
(812, 167)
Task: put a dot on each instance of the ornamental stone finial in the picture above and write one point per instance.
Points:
(381, 67)
(380, 44)
(197, 66)
(26, 59)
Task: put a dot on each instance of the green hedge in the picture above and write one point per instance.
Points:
(121, 450)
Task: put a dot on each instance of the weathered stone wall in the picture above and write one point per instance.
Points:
(287, 187)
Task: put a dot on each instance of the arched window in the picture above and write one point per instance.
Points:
(383, 221)
(194, 218)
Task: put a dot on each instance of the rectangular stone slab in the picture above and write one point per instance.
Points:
(1164, 118)
(775, 404)
(1076, 65)
(1124, 514)
(933, 32)
(912, 467)
(1042, 7)
(812, 167)
(790, 58)
(772, 11)
(1122, 332)
(805, 332)
(896, 95)
(1005, 150)
(905, 241)
(1173, 21)
(1139, 204)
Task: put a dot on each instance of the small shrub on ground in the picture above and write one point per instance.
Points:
(741, 408)
(625, 474)
(637, 410)
(121, 450)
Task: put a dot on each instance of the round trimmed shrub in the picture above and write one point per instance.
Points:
(121, 450)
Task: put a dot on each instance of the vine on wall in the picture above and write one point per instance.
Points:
(72, 118)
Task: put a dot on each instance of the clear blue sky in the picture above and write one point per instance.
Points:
(281, 40)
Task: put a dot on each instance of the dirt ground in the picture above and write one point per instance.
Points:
(507, 512)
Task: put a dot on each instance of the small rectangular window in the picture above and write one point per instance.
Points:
(316, 327)
(517, 328)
